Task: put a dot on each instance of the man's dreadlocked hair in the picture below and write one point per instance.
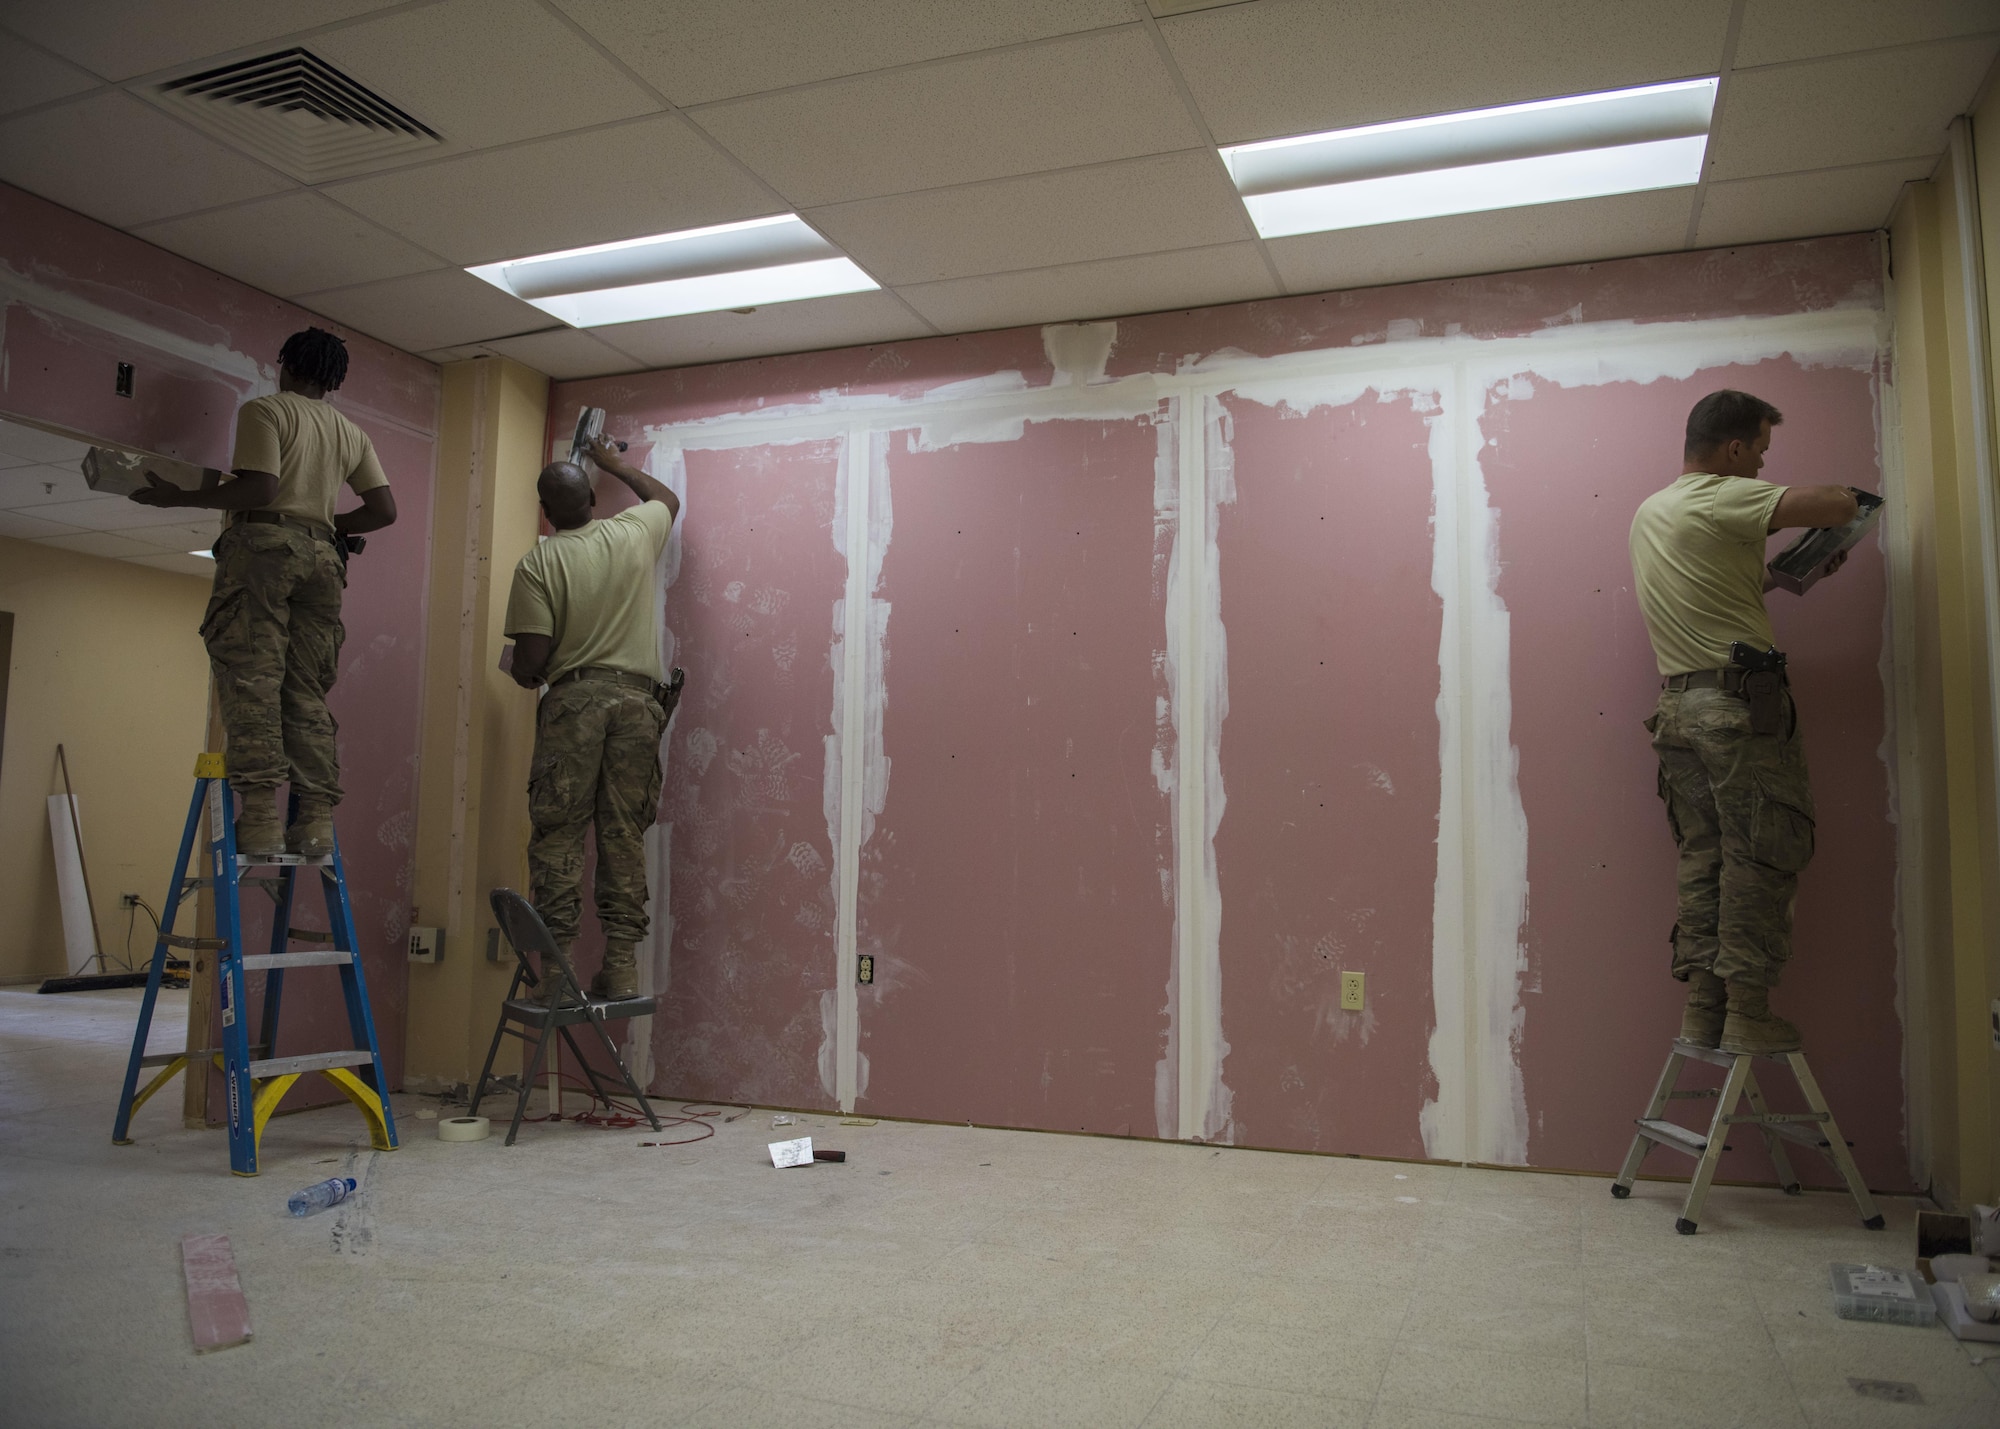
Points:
(315, 356)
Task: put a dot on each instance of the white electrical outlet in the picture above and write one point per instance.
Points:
(1352, 987)
(426, 945)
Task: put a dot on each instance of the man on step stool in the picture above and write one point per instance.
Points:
(584, 618)
(1732, 763)
(273, 626)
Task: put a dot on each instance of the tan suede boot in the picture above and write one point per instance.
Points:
(1701, 1022)
(551, 991)
(311, 834)
(619, 976)
(258, 832)
(1751, 1025)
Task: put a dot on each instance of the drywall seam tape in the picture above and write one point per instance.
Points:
(463, 1128)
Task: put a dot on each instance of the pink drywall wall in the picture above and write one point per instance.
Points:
(752, 901)
(1327, 851)
(1025, 934)
(1015, 892)
(80, 298)
(1567, 467)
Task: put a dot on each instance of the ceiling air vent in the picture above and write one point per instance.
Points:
(297, 112)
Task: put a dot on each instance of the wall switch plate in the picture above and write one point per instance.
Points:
(492, 945)
(426, 945)
(864, 968)
(1351, 991)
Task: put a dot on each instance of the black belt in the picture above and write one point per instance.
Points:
(1729, 678)
(611, 676)
(279, 518)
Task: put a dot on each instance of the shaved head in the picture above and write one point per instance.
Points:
(566, 494)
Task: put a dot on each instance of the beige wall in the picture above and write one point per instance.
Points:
(108, 663)
(1943, 543)
(472, 803)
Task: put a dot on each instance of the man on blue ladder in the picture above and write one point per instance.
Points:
(273, 626)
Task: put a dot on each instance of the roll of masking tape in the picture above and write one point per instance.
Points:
(463, 1128)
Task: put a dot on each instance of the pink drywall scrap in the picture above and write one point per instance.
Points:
(218, 1314)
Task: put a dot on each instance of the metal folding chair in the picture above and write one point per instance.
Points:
(537, 1025)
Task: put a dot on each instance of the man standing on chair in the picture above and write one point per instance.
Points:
(1732, 763)
(584, 617)
(273, 626)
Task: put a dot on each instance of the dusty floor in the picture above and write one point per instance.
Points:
(941, 1276)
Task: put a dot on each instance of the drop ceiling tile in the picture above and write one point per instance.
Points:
(1805, 205)
(180, 536)
(564, 354)
(29, 76)
(627, 181)
(101, 511)
(442, 309)
(1084, 100)
(21, 444)
(1857, 109)
(122, 38)
(1146, 205)
(180, 565)
(1285, 67)
(847, 321)
(1778, 30)
(486, 72)
(123, 162)
(24, 526)
(694, 51)
(294, 243)
(27, 487)
(1113, 287)
(101, 543)
(1542, 236)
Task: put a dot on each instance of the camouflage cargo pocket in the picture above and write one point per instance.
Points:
(1665, 788)
(1781, 827)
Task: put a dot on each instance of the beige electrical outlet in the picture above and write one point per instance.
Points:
(1350, 991)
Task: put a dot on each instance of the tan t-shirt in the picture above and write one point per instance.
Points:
(1698, 567)
(592, 591)
(311, 448)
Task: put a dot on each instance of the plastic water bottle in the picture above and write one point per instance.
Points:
(330, 1192)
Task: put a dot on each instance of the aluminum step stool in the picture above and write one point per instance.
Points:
(257, 1083)
(1815, 1128)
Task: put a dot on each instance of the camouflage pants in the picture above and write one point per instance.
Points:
(597, 760)
(273, 633)
(1742, 816)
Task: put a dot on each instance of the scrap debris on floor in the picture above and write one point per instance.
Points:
(943, 1275)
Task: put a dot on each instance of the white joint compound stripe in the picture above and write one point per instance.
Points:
(655, 951)
(1169, 438)
(857, 771)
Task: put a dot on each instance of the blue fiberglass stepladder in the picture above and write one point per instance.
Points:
(256, 1085)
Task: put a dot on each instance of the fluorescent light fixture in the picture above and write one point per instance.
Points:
(700, 270)
(1550, 151)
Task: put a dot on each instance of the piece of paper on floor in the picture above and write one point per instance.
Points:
(217, 1312)
(792, 1153)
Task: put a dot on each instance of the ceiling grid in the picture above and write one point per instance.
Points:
(991, 164)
